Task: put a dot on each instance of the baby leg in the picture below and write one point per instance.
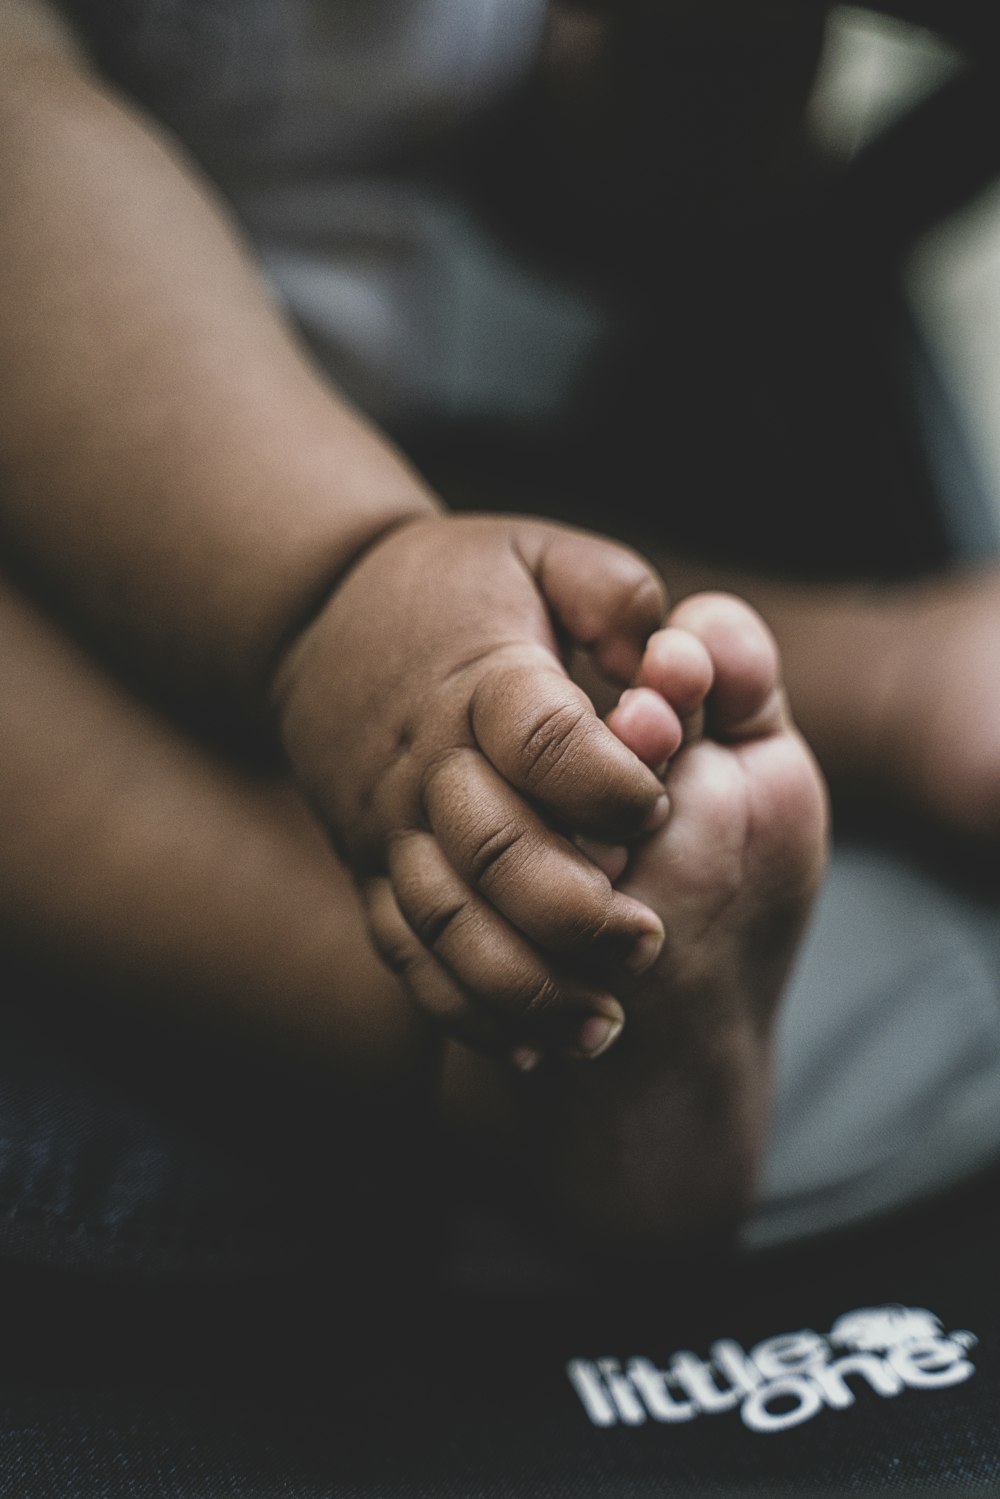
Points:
(157, 870)
(660, 1137)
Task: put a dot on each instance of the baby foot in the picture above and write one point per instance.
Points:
(662, 1135)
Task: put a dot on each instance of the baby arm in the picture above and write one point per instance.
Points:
(194, 494)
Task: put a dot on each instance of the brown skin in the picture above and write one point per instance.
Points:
(459, 741)
(264, 546)
(662, 1137)
(207, 511)
(195, 494)
(152, 866)
(148, 863)
(261, 543)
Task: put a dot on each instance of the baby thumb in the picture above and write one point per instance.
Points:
(604, 596)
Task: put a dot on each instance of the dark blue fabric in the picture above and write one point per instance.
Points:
(342, 1390)
(188, 60)
(133, 1145)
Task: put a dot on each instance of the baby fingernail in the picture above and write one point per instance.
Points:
(658, 816)
(595, 1035)
(525, 1058)
(644, 952)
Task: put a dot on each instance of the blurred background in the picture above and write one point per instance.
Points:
(874, 70)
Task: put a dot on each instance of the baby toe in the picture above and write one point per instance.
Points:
(746, 699)
(678, 666)
(647, 725)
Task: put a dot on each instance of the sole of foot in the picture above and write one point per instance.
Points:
(660, 1138)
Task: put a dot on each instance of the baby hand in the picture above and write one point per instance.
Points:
(428, 713)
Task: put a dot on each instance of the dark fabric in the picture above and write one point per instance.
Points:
(170, 47)
(133, 1145)
(761, 321)
(759, 313)
(204, 68)
(327, 1389)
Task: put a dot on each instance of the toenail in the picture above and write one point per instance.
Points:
(595, 1035)
(525, 1058)
(645, 952)
(658, 815)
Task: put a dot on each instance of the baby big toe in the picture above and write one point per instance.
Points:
(746, 697)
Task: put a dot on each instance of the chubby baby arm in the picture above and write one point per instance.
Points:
(189, 487)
